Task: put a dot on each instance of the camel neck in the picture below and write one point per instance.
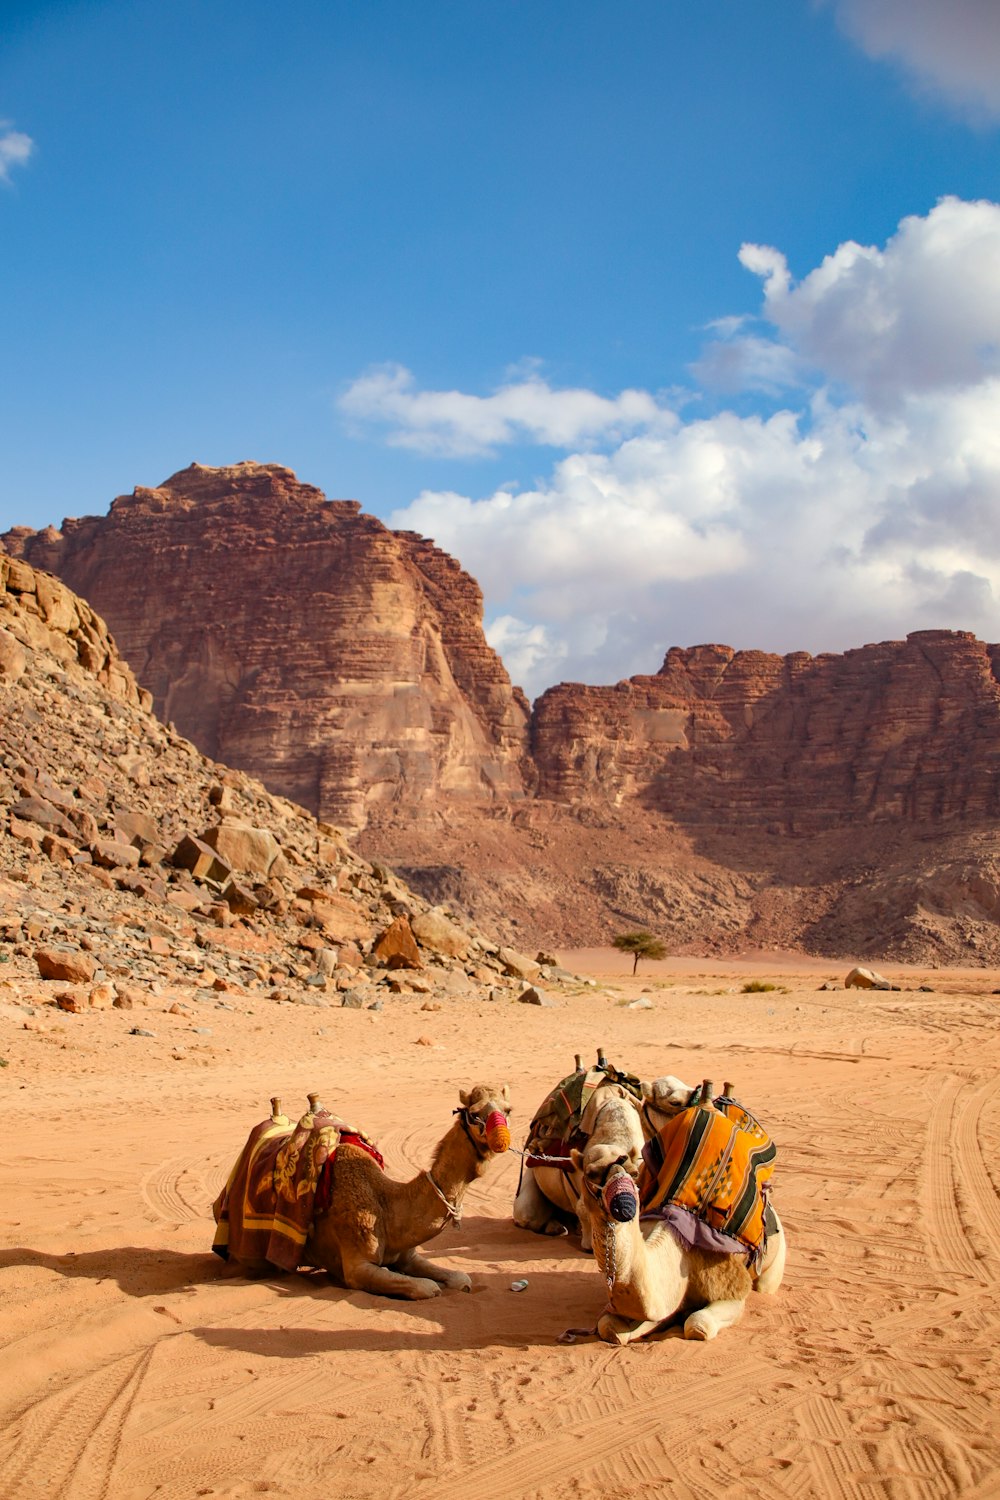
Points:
(619, 1249)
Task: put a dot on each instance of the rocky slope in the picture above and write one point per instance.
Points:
(839, 803)
(132, 867)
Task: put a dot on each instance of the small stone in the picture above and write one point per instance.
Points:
(431, 1005)
(70, 1003)
(102, 996)
(141, 1031)
(642, 1003)
(424, 1041)
(534, 996)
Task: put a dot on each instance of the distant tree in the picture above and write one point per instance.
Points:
(640, 945)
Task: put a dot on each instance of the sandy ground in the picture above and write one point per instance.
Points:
(135, 1364)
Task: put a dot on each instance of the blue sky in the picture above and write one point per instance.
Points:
(672, 322)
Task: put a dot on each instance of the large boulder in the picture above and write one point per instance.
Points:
(518, 965)
(866, 979)
(243, 847)
(397, 948)
(434, 931)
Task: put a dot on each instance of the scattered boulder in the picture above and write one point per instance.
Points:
(518, 965)
(65, 963)
(199, 859)
(434, 931)
(13, 658)
(531, 995)
(397, 948)
(243, 847)
(866, 979)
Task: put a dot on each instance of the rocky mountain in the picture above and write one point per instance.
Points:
(298, 638)
(840, 803)
(131, 865)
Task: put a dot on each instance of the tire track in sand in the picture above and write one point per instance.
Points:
(948, 1243)
(590, 1440)
(67, 1444)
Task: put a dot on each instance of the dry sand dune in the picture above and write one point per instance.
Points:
(134, 1364)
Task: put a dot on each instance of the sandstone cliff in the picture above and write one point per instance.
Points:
(136, 872)
(296, 637)
(903, 731)
(839, 803)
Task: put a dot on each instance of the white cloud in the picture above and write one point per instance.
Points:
(921, 315)
(867, 507)
(15, 148)
(453, 423)
(951, 48)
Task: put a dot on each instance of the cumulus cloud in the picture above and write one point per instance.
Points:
(453, 423)
(951, 49)
(864, 504)
(15, 148)
(922, 314)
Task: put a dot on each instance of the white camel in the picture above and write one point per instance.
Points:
(550, 1189)
(651, 1275)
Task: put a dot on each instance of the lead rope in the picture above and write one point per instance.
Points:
(454, 1211)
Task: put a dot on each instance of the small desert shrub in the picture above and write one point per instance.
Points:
(757, 987)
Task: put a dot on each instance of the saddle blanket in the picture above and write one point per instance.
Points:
(707, 1173)
(281, 1180)
(555, 1127)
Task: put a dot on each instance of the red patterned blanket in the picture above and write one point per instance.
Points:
(282, 1178)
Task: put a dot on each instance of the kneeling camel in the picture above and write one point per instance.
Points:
(653, 1272)
(365, 1227)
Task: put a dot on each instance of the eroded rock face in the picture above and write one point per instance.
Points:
(298, 638)
(901, 731)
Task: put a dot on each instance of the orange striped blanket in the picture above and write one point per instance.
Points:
(281, 1179)
(709, 1169)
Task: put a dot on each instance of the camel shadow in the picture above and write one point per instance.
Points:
(562, 1288)
(139, 1271)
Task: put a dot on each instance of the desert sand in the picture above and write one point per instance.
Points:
(136, 1364)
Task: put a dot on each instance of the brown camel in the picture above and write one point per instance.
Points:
(368, 1236)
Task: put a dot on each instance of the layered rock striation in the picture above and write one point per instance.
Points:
(902, 731)
(299, 638)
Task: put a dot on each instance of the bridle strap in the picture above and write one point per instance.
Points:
(463, 1115)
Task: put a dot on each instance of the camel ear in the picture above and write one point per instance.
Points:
(648, 1091)
(505, 1096)
(464, 1097)
(576, 1157)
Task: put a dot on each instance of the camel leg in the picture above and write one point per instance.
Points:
(711, 1319)
(770, 1277)
(365, 1276)
(413, 1264)
(532, 1210)
(616, 1330)
(586, 1233)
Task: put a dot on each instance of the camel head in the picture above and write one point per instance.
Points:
(609, 1179)
(667, 1096)
(611, 1161)
(483, 1113)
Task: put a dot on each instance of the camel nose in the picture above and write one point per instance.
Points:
(621, 1198)
(497, 1132)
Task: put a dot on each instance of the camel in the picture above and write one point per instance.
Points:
(366, 1233)
(551, 1191)
(651, 1274)
(368, 1237)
